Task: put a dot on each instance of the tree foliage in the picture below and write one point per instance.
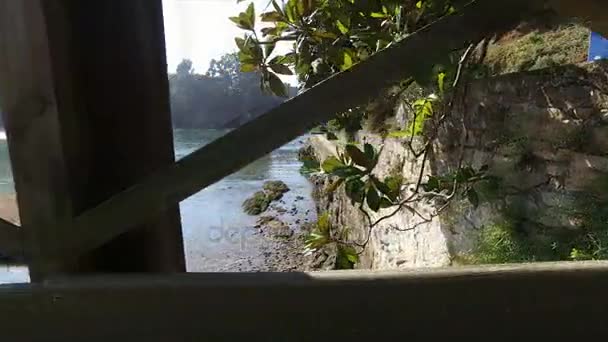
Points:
(331, 36)
(328, 36)
(223, 96)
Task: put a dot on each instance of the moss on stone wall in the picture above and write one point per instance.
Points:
(521, 237)
(565, 44)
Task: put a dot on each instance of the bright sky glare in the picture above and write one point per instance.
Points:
(200, 30)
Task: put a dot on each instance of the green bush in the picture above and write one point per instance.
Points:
(499, 244)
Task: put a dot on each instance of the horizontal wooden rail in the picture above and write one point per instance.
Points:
(11, 239)
(522, 301)
(592, 12)
(282, 124)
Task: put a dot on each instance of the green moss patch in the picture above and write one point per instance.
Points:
(565, 44)
(260, 201)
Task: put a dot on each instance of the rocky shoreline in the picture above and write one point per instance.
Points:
(283, 228)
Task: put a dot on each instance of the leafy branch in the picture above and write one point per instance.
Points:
(354, 169)
(330, 36)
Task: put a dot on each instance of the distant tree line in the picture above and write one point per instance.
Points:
(223, 97)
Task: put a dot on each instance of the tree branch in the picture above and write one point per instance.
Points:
(280, 125)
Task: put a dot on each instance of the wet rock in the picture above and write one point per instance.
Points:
(260, 201)
(279, 229)
(275, 189)
(256, 204)
(280, 210)
(263, 221)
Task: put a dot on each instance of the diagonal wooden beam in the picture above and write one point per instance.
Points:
(70, 117)
(11, 239)
(284, 123)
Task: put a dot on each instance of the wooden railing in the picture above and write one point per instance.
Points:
(280, 125)
(561, 301)
(273, 129)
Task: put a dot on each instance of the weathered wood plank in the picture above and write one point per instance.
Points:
(593, 12)
(30, 109)
(85, 96)
(282, 124)
(11, 240)
(537, 301)
(115, 55)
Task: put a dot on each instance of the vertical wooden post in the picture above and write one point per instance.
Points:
(85, 92)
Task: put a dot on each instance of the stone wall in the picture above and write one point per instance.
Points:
(543, 134)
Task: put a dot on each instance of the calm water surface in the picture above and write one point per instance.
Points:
(218, 236)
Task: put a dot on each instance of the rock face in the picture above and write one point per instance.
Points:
(260, 201)
(544, 134)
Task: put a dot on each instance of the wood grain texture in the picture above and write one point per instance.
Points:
(284, 123)
(11, 240)
(531, 302)
(31, 117)
(85, 96)
(593, 12)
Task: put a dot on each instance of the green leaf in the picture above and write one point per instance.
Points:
(401, 134)
(240, 43)
(241, 23)
(300, 8)
(315, 240)
(351, 254)
(330, 164)
(433, 184)
(378, 15)
(373, 199)
(324, 223)
(357, 156)
(245, 20)
(355, 190)
(272, 16)
(250, 15)
(347, 171)
(291, 11)
(322, 34)
(343, 29)
(348, 61)
(246, 58)
(277, 7)
(281, 69)
(346, 258)
(268, 48)
(382, 187)
(386, 203)
(289, 58)
(246, 67)
(441, 81)
(269, 31)
(369, 151)
(277, 86)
